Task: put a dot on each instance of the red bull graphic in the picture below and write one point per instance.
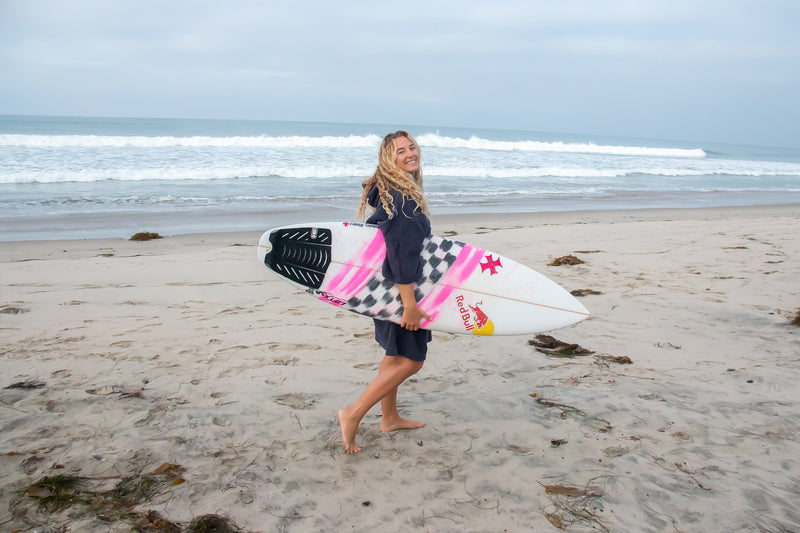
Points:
(473, 318)
(483, 326)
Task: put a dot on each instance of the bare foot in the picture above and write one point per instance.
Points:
(349, 430)
(399, 423)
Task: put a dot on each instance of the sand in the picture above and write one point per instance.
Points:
(120, 357)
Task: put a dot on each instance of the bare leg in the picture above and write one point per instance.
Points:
(390, 418)
(393, 371)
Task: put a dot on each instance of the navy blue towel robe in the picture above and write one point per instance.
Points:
(403, 233)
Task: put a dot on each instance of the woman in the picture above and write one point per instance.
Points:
(401, 213)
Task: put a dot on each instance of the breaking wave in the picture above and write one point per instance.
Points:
(431, 140)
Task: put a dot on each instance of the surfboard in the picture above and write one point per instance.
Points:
(465, 289)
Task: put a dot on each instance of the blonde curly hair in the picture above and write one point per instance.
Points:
(389, 177)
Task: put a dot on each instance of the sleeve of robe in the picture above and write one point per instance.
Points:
(404, 233)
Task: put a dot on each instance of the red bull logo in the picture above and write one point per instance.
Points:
(473, 318)
(483, 326)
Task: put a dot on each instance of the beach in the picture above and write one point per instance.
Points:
(183, 363)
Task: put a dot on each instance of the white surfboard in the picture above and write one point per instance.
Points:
(465, 289)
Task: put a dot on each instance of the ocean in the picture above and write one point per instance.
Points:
(75, 178)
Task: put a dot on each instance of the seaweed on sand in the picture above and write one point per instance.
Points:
(13, 310)
(55, 493)
(115, 507)
(145, 236)
(153, 522)
(566, 260)
(618, 359)
(553, 347)
(574, 506)
(565, 409)
(580, 293)
(211, 523)
(27, 385)
(796, 320)
(594, 423)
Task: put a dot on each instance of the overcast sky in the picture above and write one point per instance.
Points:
(715, 70)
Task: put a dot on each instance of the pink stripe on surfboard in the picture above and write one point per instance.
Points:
(466, 263)
(371, 257)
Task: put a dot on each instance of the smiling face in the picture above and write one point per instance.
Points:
(406, 154)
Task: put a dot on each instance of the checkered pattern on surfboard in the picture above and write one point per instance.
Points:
(380, 298)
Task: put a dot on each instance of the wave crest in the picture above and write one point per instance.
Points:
(426, 140)
(122, 141)
(477, 143)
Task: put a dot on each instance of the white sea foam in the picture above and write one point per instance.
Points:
(590, 172)
(122, 141)
(182, 174)
(351, 141)
(477, 143)
(329, 171)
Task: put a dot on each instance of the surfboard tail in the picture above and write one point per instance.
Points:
(299, 254)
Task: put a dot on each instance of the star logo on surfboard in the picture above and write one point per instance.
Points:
(491, 265)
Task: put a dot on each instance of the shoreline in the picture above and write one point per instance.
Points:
(245, 217)
(441, 222)
(185, 351)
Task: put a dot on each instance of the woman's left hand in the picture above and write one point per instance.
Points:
(412, 314)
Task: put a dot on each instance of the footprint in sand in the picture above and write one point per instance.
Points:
(122, 390)
(301, 402)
